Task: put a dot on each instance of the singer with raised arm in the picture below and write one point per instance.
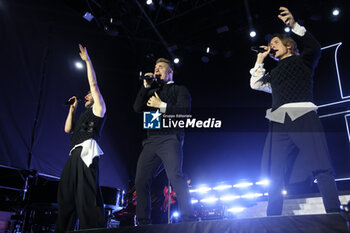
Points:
(296, 133)
(79, 194)
(159, 93)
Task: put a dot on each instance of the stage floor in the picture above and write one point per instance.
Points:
(325, 223)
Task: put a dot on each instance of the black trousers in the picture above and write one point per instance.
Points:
(307, 136)
(79, 195)
(158, 149)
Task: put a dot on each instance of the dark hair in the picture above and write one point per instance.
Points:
(287, 41)
(170, 64)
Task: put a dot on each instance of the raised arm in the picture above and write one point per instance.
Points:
(257, 73)
(99, 106)
(69, 125)
(311, 48)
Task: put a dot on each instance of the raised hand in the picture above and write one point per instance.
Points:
(75, 103)
(154, 101)
(83, 53)
(286, 16)
(149, 81)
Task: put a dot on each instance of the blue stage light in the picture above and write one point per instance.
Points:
(200, 190)
(194, 201)
(236, 209)
(210, 200)
(263, 182)
(252, 195)
(229, 197)
(222, 187)
(243, 185)
(176, 214)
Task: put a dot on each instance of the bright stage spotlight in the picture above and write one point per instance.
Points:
(208, 49)
(243, 185)
(252, 34)
(287, 29)
(284, 192)
(79, 65)
(149, 2)
(252, 195)
(200, 190)
(176, 214)
(222, 187)
(209, 200)
(194, 201)
(263, 182)
(236, 209)
(176, 60)
(335, 12)
(229, 197)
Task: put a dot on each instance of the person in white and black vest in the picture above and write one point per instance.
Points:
(79, 194)
(296, 137)
(162, 146)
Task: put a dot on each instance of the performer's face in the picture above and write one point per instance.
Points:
(163, 70)
(89, 101)
(282, 51)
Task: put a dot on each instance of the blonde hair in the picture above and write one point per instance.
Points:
(170, 64)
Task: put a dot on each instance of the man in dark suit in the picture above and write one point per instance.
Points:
(162, 146)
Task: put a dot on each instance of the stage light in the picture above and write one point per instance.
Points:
(79, 65)
(263, 182)
(194, 201)
(209, 200)
(252, 34)
(236, 209)
(176, 214)
(243, 185)
(266, 194)
(335, 12)
(200, 190)
(222, 187)
(88, 16)
(229, 197)
(208, 49)
(149, 2)
(176, 60)
(287, 29)
(252, 195)
(284, 192)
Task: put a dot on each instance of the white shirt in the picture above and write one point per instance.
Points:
(90, 150)
(294, 110)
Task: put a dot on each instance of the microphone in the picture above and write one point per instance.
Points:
(257, 49)
(146, 77)
(70, 102)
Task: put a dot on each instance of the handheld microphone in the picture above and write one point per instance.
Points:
(146, 77)
(257, 49)
(70, 102)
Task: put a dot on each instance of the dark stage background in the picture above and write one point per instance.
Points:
(39, 45)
